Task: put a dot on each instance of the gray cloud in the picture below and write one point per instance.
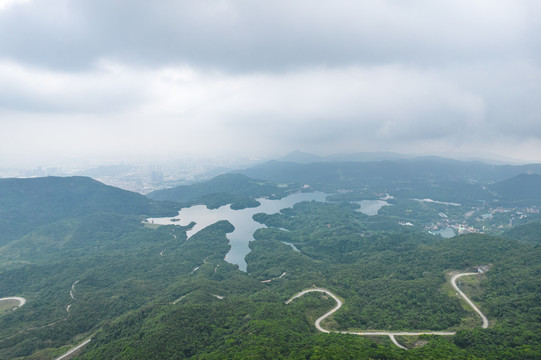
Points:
(266, 35)
(230, 77)
(99, 91)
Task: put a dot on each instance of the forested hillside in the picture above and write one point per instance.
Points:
(25, 204)
(367, 172)
(530, 233)
(93, 270)
(523, 187)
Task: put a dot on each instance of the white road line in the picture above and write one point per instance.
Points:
(474, 307)
(72, 350)
(21, 300)
(339, 303)
(396, 342)
(73, 289)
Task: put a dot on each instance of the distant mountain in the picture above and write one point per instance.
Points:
(367, 156)
(366, 172)
(236, 189)
(301, 157)
(26, 204)
(336, 173)
(279, 171)
(520, 187)
(463, 182)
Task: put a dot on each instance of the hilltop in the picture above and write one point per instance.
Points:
(25, 204)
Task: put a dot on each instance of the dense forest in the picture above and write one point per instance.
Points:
(90, 267)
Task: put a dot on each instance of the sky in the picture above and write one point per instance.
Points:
(124, 79)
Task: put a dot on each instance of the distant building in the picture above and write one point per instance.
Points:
(156, 174)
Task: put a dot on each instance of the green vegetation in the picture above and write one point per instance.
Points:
(27, 204)
(523, 188)
(235, 189)
(530, 233)
(7, 305)
(214, 201)
(406, 173)
(146, 292)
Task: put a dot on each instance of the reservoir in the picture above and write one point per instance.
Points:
(371, 207)
(242, 220)
(446, 233)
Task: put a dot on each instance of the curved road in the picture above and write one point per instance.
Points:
(324, 316)
(453, 282)
(390, 334)
(21, 300)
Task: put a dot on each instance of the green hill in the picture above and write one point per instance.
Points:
(441, 179)
(25, 204)
(520, 187)
(90, 268)
(529, 233)
(236, 189)
(369, 172)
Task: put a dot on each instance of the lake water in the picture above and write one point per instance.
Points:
(446, 233)
(371, 207)
(242, 220)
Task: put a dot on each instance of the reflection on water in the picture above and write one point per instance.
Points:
(371, 207)
(242, 220)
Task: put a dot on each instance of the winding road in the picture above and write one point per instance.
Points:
(339, 304)
(453, 282)
(390, 334)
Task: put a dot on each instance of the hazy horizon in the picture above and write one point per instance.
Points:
(119, 80)
(67, 166)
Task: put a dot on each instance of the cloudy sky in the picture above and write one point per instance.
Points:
(114, 78)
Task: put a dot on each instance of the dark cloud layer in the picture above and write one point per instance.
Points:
(270, 76)
(267, 35)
